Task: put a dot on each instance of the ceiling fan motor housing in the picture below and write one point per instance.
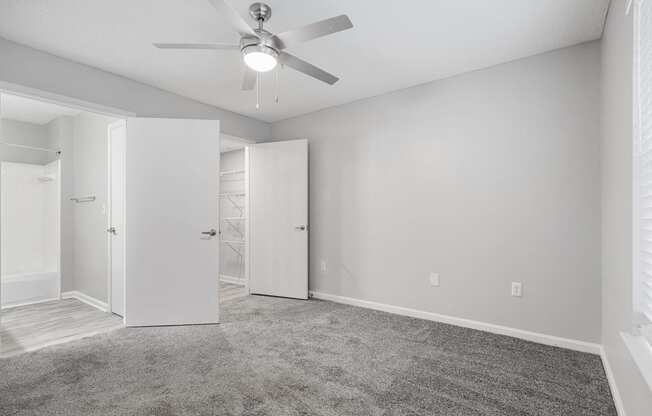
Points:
(264, 41)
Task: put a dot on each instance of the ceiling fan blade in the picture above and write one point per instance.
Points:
(306, 68)
(237, 22)
(315, 30)
(196, 46)
(249, 81)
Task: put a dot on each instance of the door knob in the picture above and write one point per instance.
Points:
(212, 232)
(112, 231)
(300, 228)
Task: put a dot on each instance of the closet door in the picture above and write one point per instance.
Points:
(171, 215)
(116, 235)
(279, 219)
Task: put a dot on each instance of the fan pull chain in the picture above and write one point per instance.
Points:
(258, 82)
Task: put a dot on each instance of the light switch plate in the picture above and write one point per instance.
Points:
(517, 289)
(434, 279)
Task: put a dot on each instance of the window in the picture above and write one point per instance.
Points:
(639, 341)
(643, 167)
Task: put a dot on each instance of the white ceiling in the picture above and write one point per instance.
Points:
(30, 111)
(393, 45)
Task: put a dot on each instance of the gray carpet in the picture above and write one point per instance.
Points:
(283, 357)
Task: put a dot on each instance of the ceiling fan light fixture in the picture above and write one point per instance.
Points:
(260, 58)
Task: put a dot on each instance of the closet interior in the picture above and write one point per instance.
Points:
(233, 214)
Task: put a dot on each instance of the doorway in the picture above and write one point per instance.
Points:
(160, 191)
(263, 218)
(53, 204)
(234, 218)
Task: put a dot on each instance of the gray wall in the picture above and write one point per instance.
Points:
(83, 140)
(487, 178)
(617, 207)
(90, 219)
(60, 136)
(31, 68)
(29, 134)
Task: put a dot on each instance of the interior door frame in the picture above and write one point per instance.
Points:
(247, 208)
(59, 211)
(109, 220)
(71, 102)
(247, 143)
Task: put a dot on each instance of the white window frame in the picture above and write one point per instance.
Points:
(639, 340)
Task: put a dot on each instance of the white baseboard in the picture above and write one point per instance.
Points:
(570, 344)
(75, 294)
(615, 394)
(233, 280)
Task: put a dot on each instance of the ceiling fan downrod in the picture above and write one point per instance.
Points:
(261, 13)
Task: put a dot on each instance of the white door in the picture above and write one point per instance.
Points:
(117, 136)
(279, 219)
(171, 207)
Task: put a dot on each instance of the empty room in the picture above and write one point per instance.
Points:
(227, 207)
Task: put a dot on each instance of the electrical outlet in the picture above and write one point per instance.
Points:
(517, 289)
(323, 266)
(434, 279)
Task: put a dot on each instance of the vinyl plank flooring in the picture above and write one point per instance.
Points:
(31, 327)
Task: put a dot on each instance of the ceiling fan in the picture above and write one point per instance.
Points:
(262, 50)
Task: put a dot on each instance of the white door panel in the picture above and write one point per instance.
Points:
(279, 219)
(117, 137)
(172, 186)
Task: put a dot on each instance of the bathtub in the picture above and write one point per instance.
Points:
(18, 289)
